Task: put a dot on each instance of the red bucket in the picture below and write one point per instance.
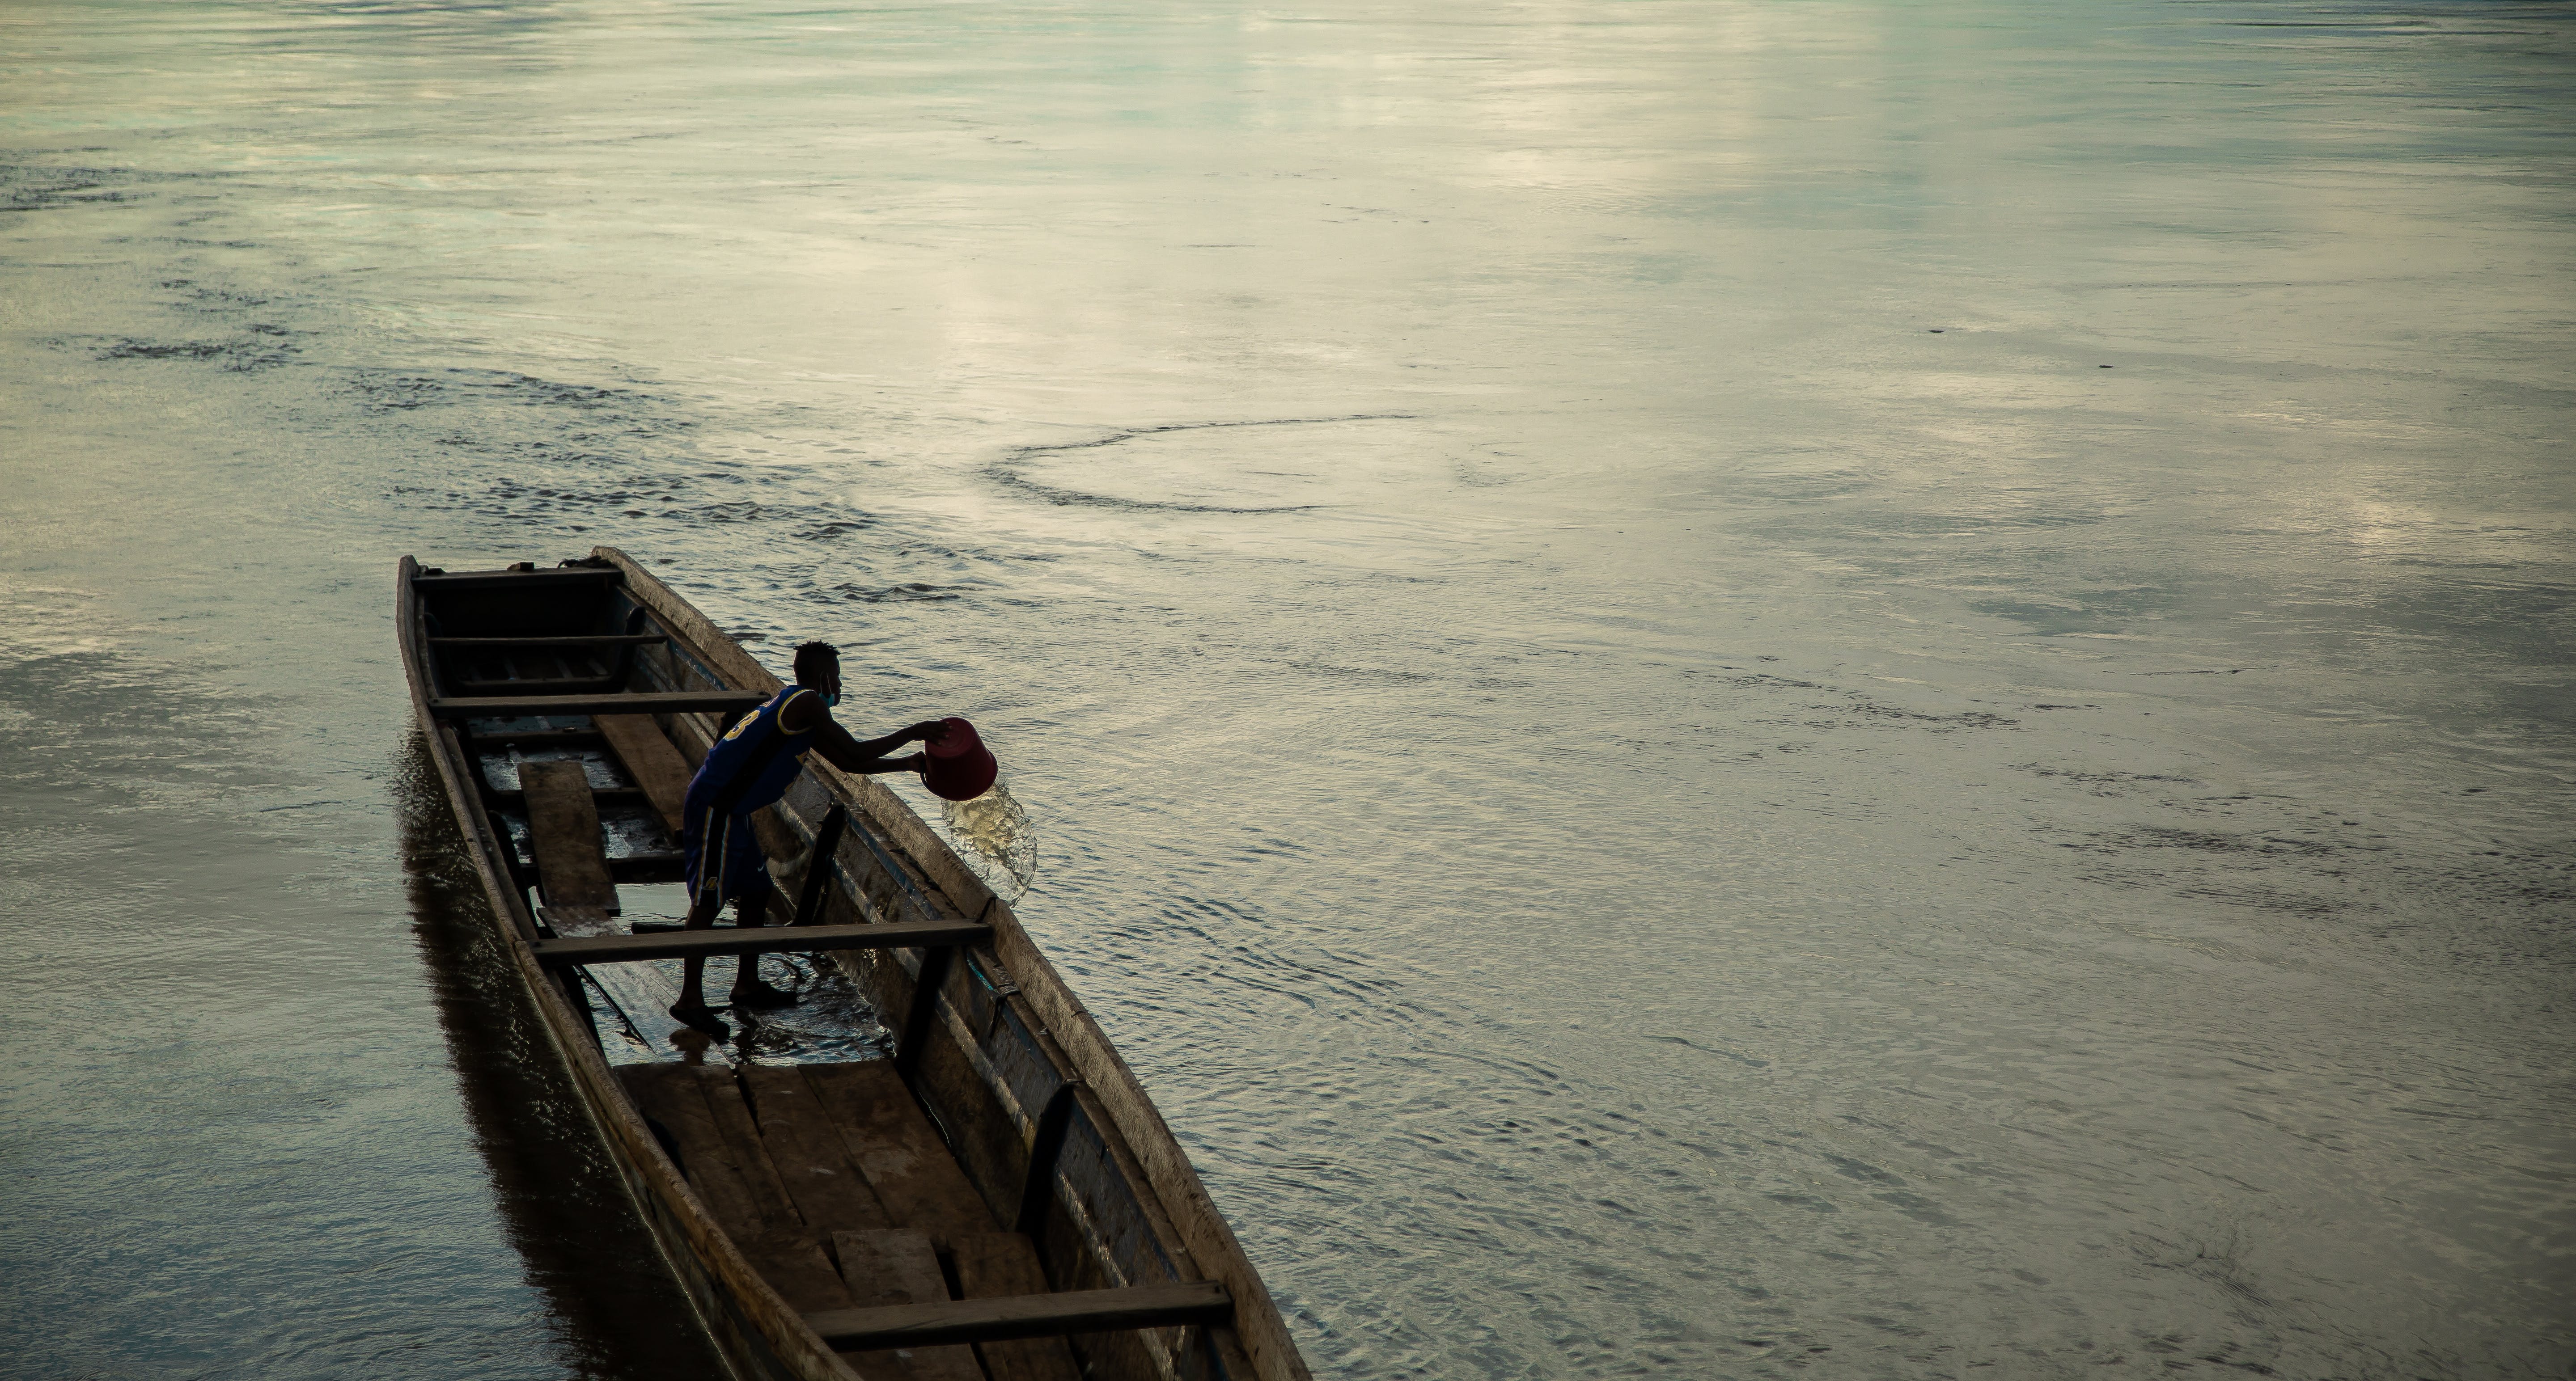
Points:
(961, 767)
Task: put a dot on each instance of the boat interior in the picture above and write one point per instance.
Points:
(949, 1201)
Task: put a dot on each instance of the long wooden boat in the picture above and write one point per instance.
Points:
(998, 1198)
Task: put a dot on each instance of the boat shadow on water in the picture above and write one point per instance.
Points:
(616, 1309)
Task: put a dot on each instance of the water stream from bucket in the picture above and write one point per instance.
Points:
(996, 839)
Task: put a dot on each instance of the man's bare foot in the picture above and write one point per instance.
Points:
(757, 995)
(700, 1017)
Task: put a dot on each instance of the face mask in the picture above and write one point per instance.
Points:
(831, 699)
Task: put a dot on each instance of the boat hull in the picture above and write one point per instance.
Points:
(1045, 1121)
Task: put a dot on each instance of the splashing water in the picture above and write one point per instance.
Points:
(1001, 844)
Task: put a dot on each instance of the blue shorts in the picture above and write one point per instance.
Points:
(721, 852)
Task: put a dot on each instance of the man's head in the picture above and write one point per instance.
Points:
(818, 667)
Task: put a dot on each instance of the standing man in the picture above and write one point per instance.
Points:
(748, 768)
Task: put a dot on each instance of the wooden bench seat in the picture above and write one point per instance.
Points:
(1024, 1316)
(701, 944)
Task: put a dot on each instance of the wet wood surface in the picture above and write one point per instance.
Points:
(563, 825)
(830, 1193)
(893, 1267)
(648, 757)
(722, 1158)
(893, 1144)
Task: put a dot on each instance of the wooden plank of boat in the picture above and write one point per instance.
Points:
(619, 702)
(563, 825)
(999, 1265)
(738, 1186)
(703, 944)
(1023, 1316)
(647, 755)
(750, 1155)
(713, 646)
(1263, 1335)
(898, 1267)
(670, 1095)
(886, 1136)
(830, 1193)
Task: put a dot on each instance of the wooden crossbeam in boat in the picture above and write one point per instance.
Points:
(1023, 1316)
(560, 640)
(601, 683)
(638, 702)
(444, 583)
(700, 944)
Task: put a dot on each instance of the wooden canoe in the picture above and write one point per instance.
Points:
(998, 1199)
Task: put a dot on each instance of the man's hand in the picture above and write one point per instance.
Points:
(928, 731)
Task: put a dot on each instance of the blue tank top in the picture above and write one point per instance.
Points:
(753, 763)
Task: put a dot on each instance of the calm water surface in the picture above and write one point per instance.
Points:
(1871, 690)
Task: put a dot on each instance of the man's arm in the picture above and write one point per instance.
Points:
(806, 714)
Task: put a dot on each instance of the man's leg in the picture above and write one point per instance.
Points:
(751, 909)
(692, 1007)
(707, 898)
(746, 881)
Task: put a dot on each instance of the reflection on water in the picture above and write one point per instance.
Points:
(1713, 689)
(557, 1193)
